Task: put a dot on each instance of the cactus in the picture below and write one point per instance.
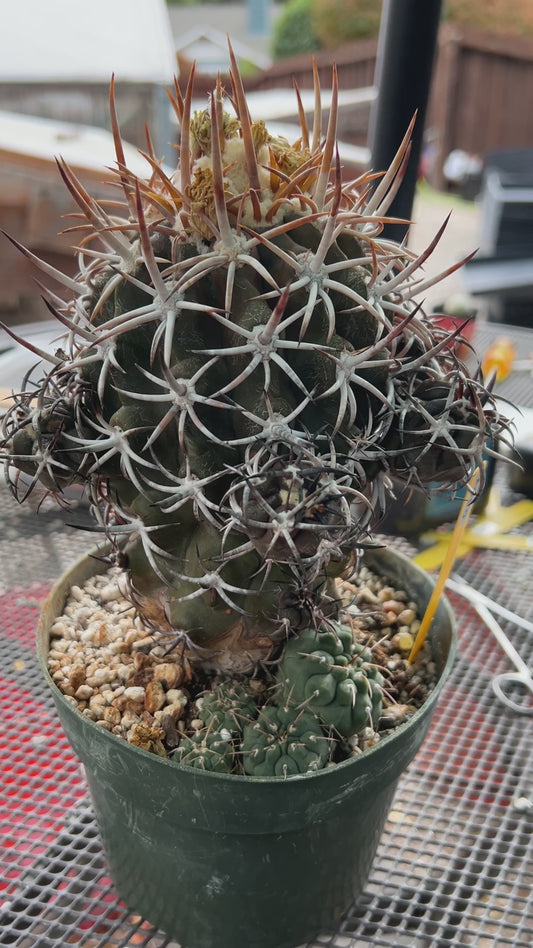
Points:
(227, 707)
(244, 374)
(326, 672)
(206, 750)
(283, 741)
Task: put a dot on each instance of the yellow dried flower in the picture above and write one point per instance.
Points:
(202, 198)
(260, 135)
(200, 131)
(288, 157)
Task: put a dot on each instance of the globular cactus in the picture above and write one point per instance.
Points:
(284, 741)
(206, 750)
(324, 671)
(245, 373)
(227, 707)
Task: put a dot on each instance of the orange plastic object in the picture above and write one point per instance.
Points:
(500, 356)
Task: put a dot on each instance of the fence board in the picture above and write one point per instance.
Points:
(482, 97)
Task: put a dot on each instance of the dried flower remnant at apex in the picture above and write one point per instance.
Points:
(245, 372)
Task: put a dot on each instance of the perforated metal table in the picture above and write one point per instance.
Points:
(455, 865)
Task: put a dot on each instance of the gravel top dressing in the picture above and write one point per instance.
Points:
(140, 685)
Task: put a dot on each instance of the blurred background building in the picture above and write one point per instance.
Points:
(57, 57)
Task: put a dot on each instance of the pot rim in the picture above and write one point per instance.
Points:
(63, 583)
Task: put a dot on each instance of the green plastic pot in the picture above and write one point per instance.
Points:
(218, 861)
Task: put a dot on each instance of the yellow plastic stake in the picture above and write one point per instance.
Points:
(447, 566)
(488, 532)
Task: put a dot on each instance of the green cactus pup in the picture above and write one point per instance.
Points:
(227, 707)
(244, 375)
(284, 741)
(206, 750)
(326, 672)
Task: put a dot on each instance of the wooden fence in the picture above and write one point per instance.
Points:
(481, 97)
(355, 63)
(482, 94)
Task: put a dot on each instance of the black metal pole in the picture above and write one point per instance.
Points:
(406, 53)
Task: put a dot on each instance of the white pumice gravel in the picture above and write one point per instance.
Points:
(94, 661)
(134, 683)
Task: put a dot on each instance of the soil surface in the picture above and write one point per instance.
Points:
(141, 686)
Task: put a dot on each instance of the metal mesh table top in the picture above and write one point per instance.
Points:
(455, 863)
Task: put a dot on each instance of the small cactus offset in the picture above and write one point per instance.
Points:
(326, 672)
(207, 750)
(227, 707)
(284, 741)
(245, 373)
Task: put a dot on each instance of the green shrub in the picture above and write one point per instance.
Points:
(495, 16)
(338, 21)
(293, 31)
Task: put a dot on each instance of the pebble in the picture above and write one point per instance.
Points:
(176, 694)
(83, 693)
(394, 606)
(176, 710)
(170, 673)
(406, 616)
(135, 693)
(155, 696)
(366, 595)
(129, 718)
(102, 676)
(123, 671)
(109, 593)
(112, 715)
(76, 676)
(405, 641)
